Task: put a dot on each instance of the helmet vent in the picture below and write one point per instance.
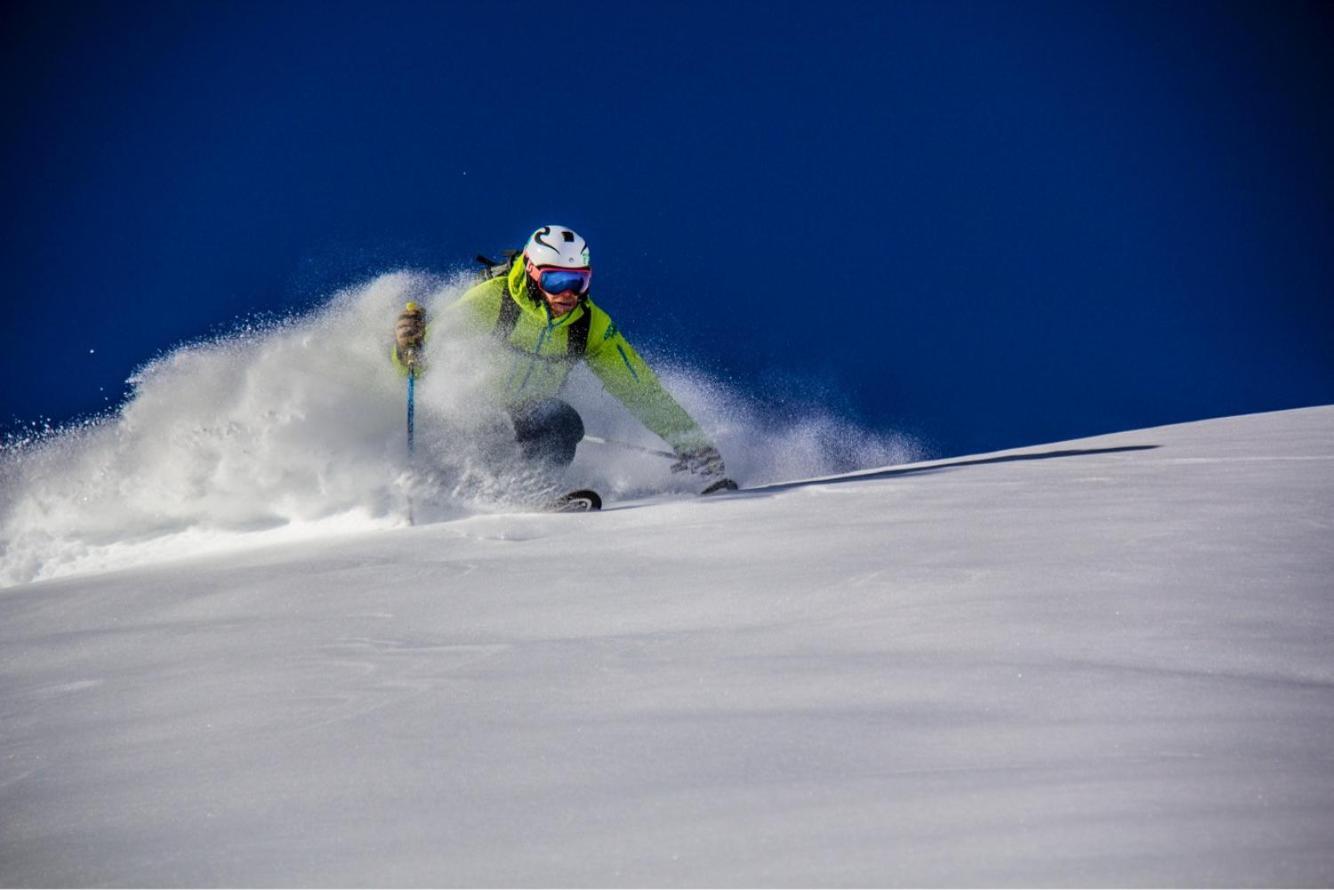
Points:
(568, 236)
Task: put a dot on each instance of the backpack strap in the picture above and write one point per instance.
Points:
(577, 344)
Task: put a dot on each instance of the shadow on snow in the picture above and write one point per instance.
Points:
(937, 467)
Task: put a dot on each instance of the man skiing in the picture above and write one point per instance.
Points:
(542, 322)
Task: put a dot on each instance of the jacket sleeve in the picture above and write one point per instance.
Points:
(470, 314)
(632, 381)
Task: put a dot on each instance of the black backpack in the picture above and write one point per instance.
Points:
(492, 269)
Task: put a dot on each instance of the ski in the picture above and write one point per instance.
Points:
(583, 500)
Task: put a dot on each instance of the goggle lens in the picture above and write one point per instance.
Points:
(559, 281)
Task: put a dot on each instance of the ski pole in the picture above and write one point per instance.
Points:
(598, 440)
(409, 356)
(723, 484)
(410, 359)
(412, 406)
(412, 391)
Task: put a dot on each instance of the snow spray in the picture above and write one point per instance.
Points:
(295, 429)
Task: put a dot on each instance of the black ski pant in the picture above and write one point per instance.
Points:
(548, 431)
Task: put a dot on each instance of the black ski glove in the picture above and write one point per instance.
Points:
(705, 461)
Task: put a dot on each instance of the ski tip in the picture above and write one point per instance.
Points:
(584, 500)
(720, 485)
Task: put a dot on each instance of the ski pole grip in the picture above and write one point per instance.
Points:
(409, 332)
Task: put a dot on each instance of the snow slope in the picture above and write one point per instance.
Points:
(1098, 662)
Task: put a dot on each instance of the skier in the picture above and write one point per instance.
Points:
(538, 312)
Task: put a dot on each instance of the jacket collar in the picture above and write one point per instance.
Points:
(522, 291)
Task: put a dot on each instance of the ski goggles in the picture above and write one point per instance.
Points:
(560, 281)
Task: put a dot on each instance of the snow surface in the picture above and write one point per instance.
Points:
(1098, 662)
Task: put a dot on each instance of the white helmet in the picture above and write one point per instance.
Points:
(557, 246)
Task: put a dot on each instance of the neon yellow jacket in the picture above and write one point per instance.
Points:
(541, 364)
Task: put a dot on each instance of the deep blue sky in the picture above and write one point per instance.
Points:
(989, 224)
